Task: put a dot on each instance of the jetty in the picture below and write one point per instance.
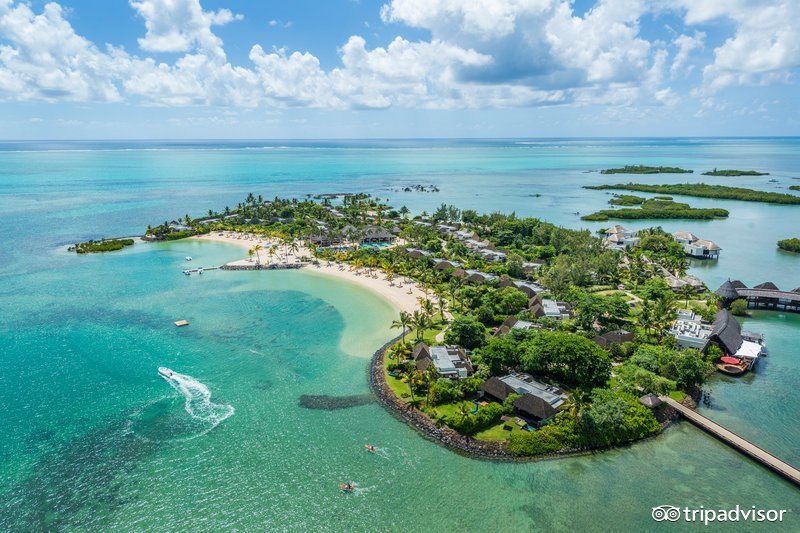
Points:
(247, 265)
(735, 441)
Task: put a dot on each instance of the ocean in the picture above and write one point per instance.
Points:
(92, 438)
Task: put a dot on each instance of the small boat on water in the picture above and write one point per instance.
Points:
(347, 487)
(188, 257)
(165, 372)
(370, 448)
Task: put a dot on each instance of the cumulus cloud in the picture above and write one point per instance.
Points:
(481, 53)
(765, 46)
(180, 25)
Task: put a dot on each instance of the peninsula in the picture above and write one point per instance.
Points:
(508, 327)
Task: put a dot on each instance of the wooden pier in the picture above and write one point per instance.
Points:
(735, 441)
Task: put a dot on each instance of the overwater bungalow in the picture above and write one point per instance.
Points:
(538, 402)
(696, 247)
(766, 295)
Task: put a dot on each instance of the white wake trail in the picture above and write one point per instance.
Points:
(198, 400)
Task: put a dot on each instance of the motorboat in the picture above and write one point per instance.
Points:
(165, 372)
(188, 257)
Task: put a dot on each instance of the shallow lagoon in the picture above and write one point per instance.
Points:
(93, 438)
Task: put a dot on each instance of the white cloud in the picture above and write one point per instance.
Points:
(765, 46)
(46, 60)
(686, 45)
(181, 25)
(482, 53)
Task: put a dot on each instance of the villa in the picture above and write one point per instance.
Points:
(691, 332)
(697, 247)
(618, 237)
(450, 362)
(444, 264)
(555, 310)
(538, 401)
(512, 322)
(493, 255)
(376, 234)
(618, 336)
(416, 253)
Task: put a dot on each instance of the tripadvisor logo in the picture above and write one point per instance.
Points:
(670, 513)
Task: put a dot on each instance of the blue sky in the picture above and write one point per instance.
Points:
(398, 68)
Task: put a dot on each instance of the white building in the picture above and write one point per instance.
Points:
(618, 237)
(696, 247)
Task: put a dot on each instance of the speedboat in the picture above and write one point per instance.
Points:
(370, 448)
(347, 487)
(165, 372)
(188, 257)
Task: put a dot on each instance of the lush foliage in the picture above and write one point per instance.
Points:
(626, 199)
(465, 331)
(102, 246)
(612, 418)
(739, 307)
(704, 190)
(790, 245)
(643, 169)
(687, 368)
(566, 358)
(657, 209)
(468, 423)
(730, 172)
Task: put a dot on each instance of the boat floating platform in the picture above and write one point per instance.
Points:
(180, 323)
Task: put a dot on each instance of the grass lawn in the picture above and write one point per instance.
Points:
(497, 433)
(676, 395)
(397, 385)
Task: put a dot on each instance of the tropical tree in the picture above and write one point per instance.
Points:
(257, 248)
(421, 322)
(404, 322)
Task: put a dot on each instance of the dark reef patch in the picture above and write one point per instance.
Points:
(331, 403)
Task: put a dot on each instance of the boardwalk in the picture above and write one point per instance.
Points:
(732, 439)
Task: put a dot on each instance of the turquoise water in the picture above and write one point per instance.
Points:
(94, 439)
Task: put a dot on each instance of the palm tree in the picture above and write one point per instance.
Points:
(403, 322)
(576, 402)
(420, 322)
(427, 307)
(464, 409)
(293, 247)
(686, 292)
(250, 252)
(257, 248)
(271, 251)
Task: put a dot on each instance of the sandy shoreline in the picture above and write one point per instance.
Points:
(403, 296)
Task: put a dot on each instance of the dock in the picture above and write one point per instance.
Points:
(735, 441)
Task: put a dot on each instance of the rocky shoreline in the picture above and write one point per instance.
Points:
(463, 444)
(426, 427)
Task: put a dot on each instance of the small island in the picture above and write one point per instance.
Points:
(654, 209)
(100, 246)
(703, 190)
(790, 245)
(643, 169)
(794, 187)
(730, 172)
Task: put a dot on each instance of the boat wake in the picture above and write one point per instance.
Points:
(165, 420)
(198, 400)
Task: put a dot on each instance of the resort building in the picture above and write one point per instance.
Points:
(763, 296)
(416, 253)
(726, 333)
(451, 362)
(618, 237)
(493, 255)
(376, 234)
(618, 336)
(532, 266)
(696, 247)
(556, 310)
(444, 264)
(538, 401)
(690, 331)
(513, 322)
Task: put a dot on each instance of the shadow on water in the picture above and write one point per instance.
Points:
(331, 403)
(79, 484)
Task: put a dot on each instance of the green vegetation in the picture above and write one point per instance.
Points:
(657, 209)
(466, 331)
(92, 247)
(703, 190)
(612, 418)
(794, 187)
(739, 307)
(729, 172)
(643, 169)
(626, 199)
(790, 245)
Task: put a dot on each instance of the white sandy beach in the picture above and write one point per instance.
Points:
(403, 296)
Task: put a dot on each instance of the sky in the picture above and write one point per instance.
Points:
(213, 69)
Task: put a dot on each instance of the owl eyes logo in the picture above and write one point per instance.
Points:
(669, 513)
